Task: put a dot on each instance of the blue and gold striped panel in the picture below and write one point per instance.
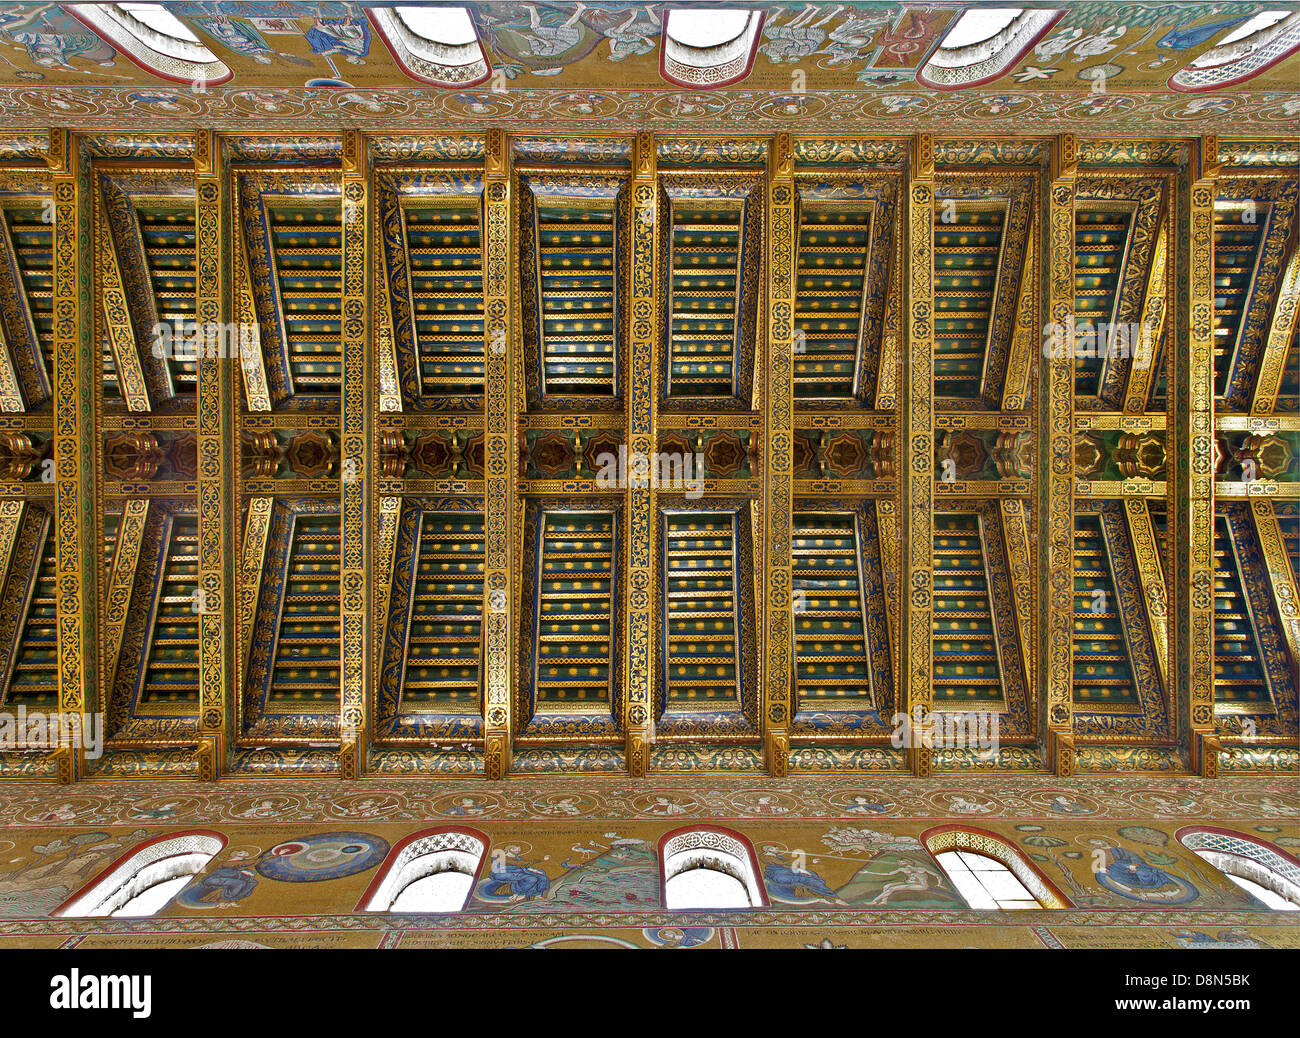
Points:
(1238, 669)
(966, 670)
(307, 242)
(306, 665)
(830, 647)
(172, 669)
(700, 610)
(445, 251)
(1288, 523)
(444, 647)
(34, 679)
(1288, 391)
(1103, 674)
(704, 299)
(1100, 246)
(834, 242)
(169, 242)
(1160, 527)
(576, 261)
(967, 253)
(1236, 253)
(31, 238)
(575, 609)
(1160, 386)
(112, 522)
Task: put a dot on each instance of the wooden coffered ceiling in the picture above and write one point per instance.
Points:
(383, 523)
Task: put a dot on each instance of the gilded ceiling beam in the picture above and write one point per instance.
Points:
(1281, 574)
(917, 431)
(355, 472)
(641, 581)
(118, 328)
(75, 369)
(1026, 338)
(500, 466)
(1192, 484)
(1056, 548)
(1280, 330)
(116, 595)
(1154, 306)
(216, 460)
(11, 399)
(1146, 558)
(778, 472)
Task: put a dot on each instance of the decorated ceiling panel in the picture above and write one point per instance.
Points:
(30, 625)
(573, 276)
(292, 241)
(572, 649)
(432, 228)
(432, 677)
(26, 295)
(479, 453)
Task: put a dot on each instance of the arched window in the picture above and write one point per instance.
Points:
(709, 47)
(1253, 48)
(979, 25)
(1244, 31)
(1269, 875)
(436, 45)
(156, 40)
(988, 872)
(709, 867)
(430, 871)
(146, 878)
(983, 44)
(167, 26)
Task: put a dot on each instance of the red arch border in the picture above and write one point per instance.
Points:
(740, 77)
(925, 80)
(415, 76)
(957, 827)
(111, 38)
(741, 837)
(386, 866)
(126, 856)
(1236, 834)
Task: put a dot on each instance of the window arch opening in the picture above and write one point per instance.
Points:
(448, 26)
(703, 29)
(156, 40)
(709, 47)
(979, 25)
(430, 871)
(1269, 875)
(709, 869)
(989, 872)
(983, 44)
(161, 21)
(985, 882)
(1255, 47)
(144, 880)
(435, 45)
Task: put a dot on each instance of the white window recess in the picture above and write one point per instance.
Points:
(984, 44)
(156, 40)
(709, 47)
(431, 872)
(145, 881)
(708, 869)
(435, 45)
